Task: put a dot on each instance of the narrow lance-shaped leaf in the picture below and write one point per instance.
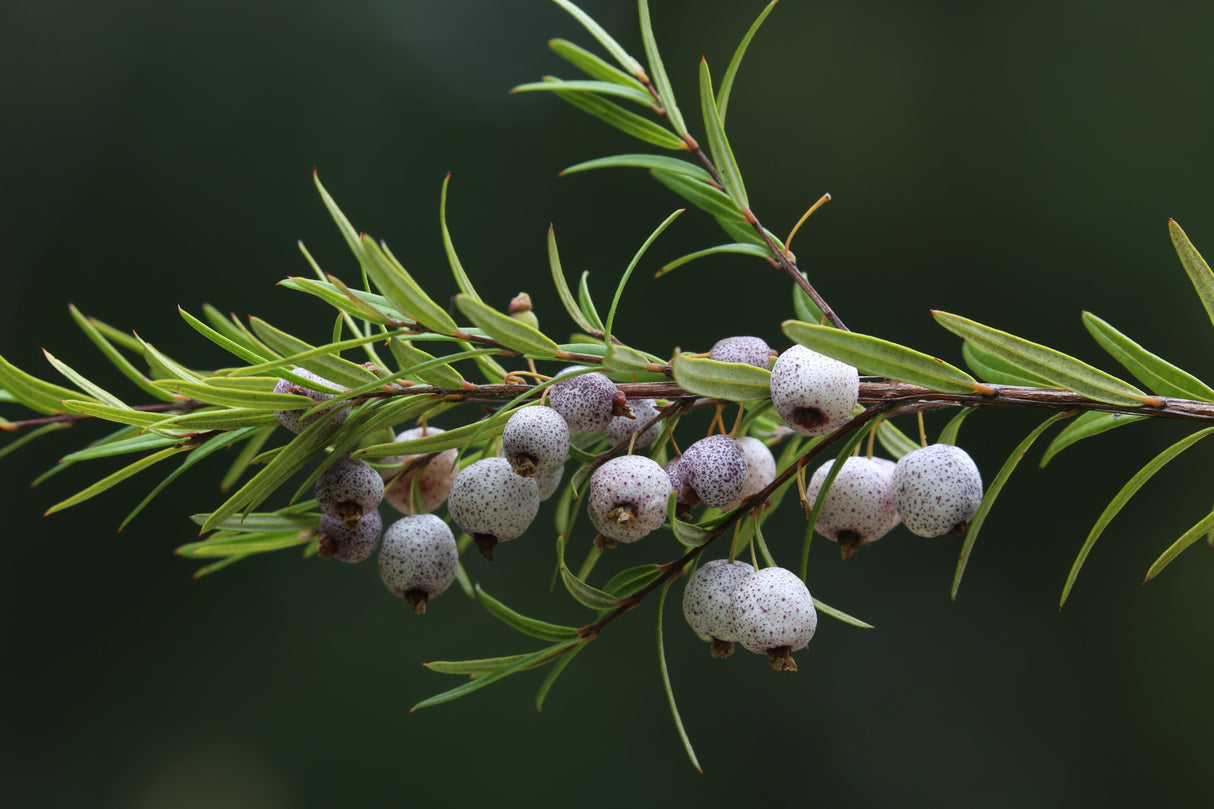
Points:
(399, 287)
(558, 668)
(551, 83)
(1156, 373)
(524, 662)
(409, 356)
(1086, 426)
(562, 286)
(949, 434)
(586, 595)
(994, 370)
(840, 615)
(34, 393)
(718, 142)
(586, 302)
(674, 165)
(731, 71)
(702, 195)
(223, 341)
(665, 672)
(1122, 498)
(457, 268)
(509, 332)
(528, 626)
(338, 295)
(881, 357)
(115, 478)
(661, 81)
(316, 359)
(591, 64)
(1188, 538)
(733, 248)
(1059, 369)
(735, 381)
(619, 289)
(89, 387)
(624, 120)
(483, 666)
(235, 397)
(1196, 266)
(116, 358)
(121, 415)
(992, 492)
(630, 65)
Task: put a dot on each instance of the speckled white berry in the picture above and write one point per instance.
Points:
(349, 489)
(535, 440)
(773, 614)
(937, 490)
(811, 392)
(619, 431)
(492, 503)
(336, 541)
(418, 559)
(549, 482)
(321, 391)
(760, 468)
(712, 471)
(628, 497)
(708, 602)
(585, 402)
(749, 350)
(432, 478)
(858, 509)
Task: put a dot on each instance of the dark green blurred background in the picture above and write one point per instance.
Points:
(1015, 163)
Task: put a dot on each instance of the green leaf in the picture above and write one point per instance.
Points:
(121, 415)
(343, 224)
(1159, 375)
(1196, 266)
(93, 390)
(992, 492)
(673, 165)
(1119, 502)
(731, 72)
(591, 64)
(557, 669)
(1086, 426)
(706, 197)
(230, 397)
(551, 83)
(282, 521)
(562, 287)
(894, 441)
(624, 120)
(163, 366)
(735, 247)
(227, 344)
(528, 626)
(140, 443)
(114, 356)
(1059, 369)
(586, 303)
(478, 668)
(409, 356)
(322, 360)
(735, 381)
(234, 330)
(949, 434)
(509, 332)
(32, 435)
(630, 65)
(241, 462)
(674, 709)
(586, 595)
(881, 357)
(225, 418)
(437, 442)
(740, 231)
(32, 392)
(338, 295)
(246, 544)
(807, 311)
(688, 534)
(402, 291)
(661, 82)
(627, 582)
(718, 142)
(523, 662)
(115, 478)
(619, 289)
(624, 360)
(997, 371)
(1188, 538)
(826, 609)
(457, 268)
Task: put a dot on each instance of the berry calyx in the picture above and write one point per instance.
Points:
(628, 497)
(535, 440)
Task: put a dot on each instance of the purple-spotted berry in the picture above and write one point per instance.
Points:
(811, 392)
(418, 559)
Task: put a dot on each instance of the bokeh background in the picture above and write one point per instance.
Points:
(1015, 163)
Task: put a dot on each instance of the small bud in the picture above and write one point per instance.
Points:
(520, 310)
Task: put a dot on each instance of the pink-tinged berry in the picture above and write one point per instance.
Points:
(708, 602)
(492, 503)
(760, 469)
(628, 497)
(535, 440)
(774, 614)
(321, 390)
(418, 559)
(937, 490)
(349, 489)
(587, 402)
(748, 350)
(859, 508)
(621, 428)
(682, 508)
(416, 485)
(813, 393)
(336, 541)
(712, 471)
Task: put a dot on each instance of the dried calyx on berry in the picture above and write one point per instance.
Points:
(628, 498)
